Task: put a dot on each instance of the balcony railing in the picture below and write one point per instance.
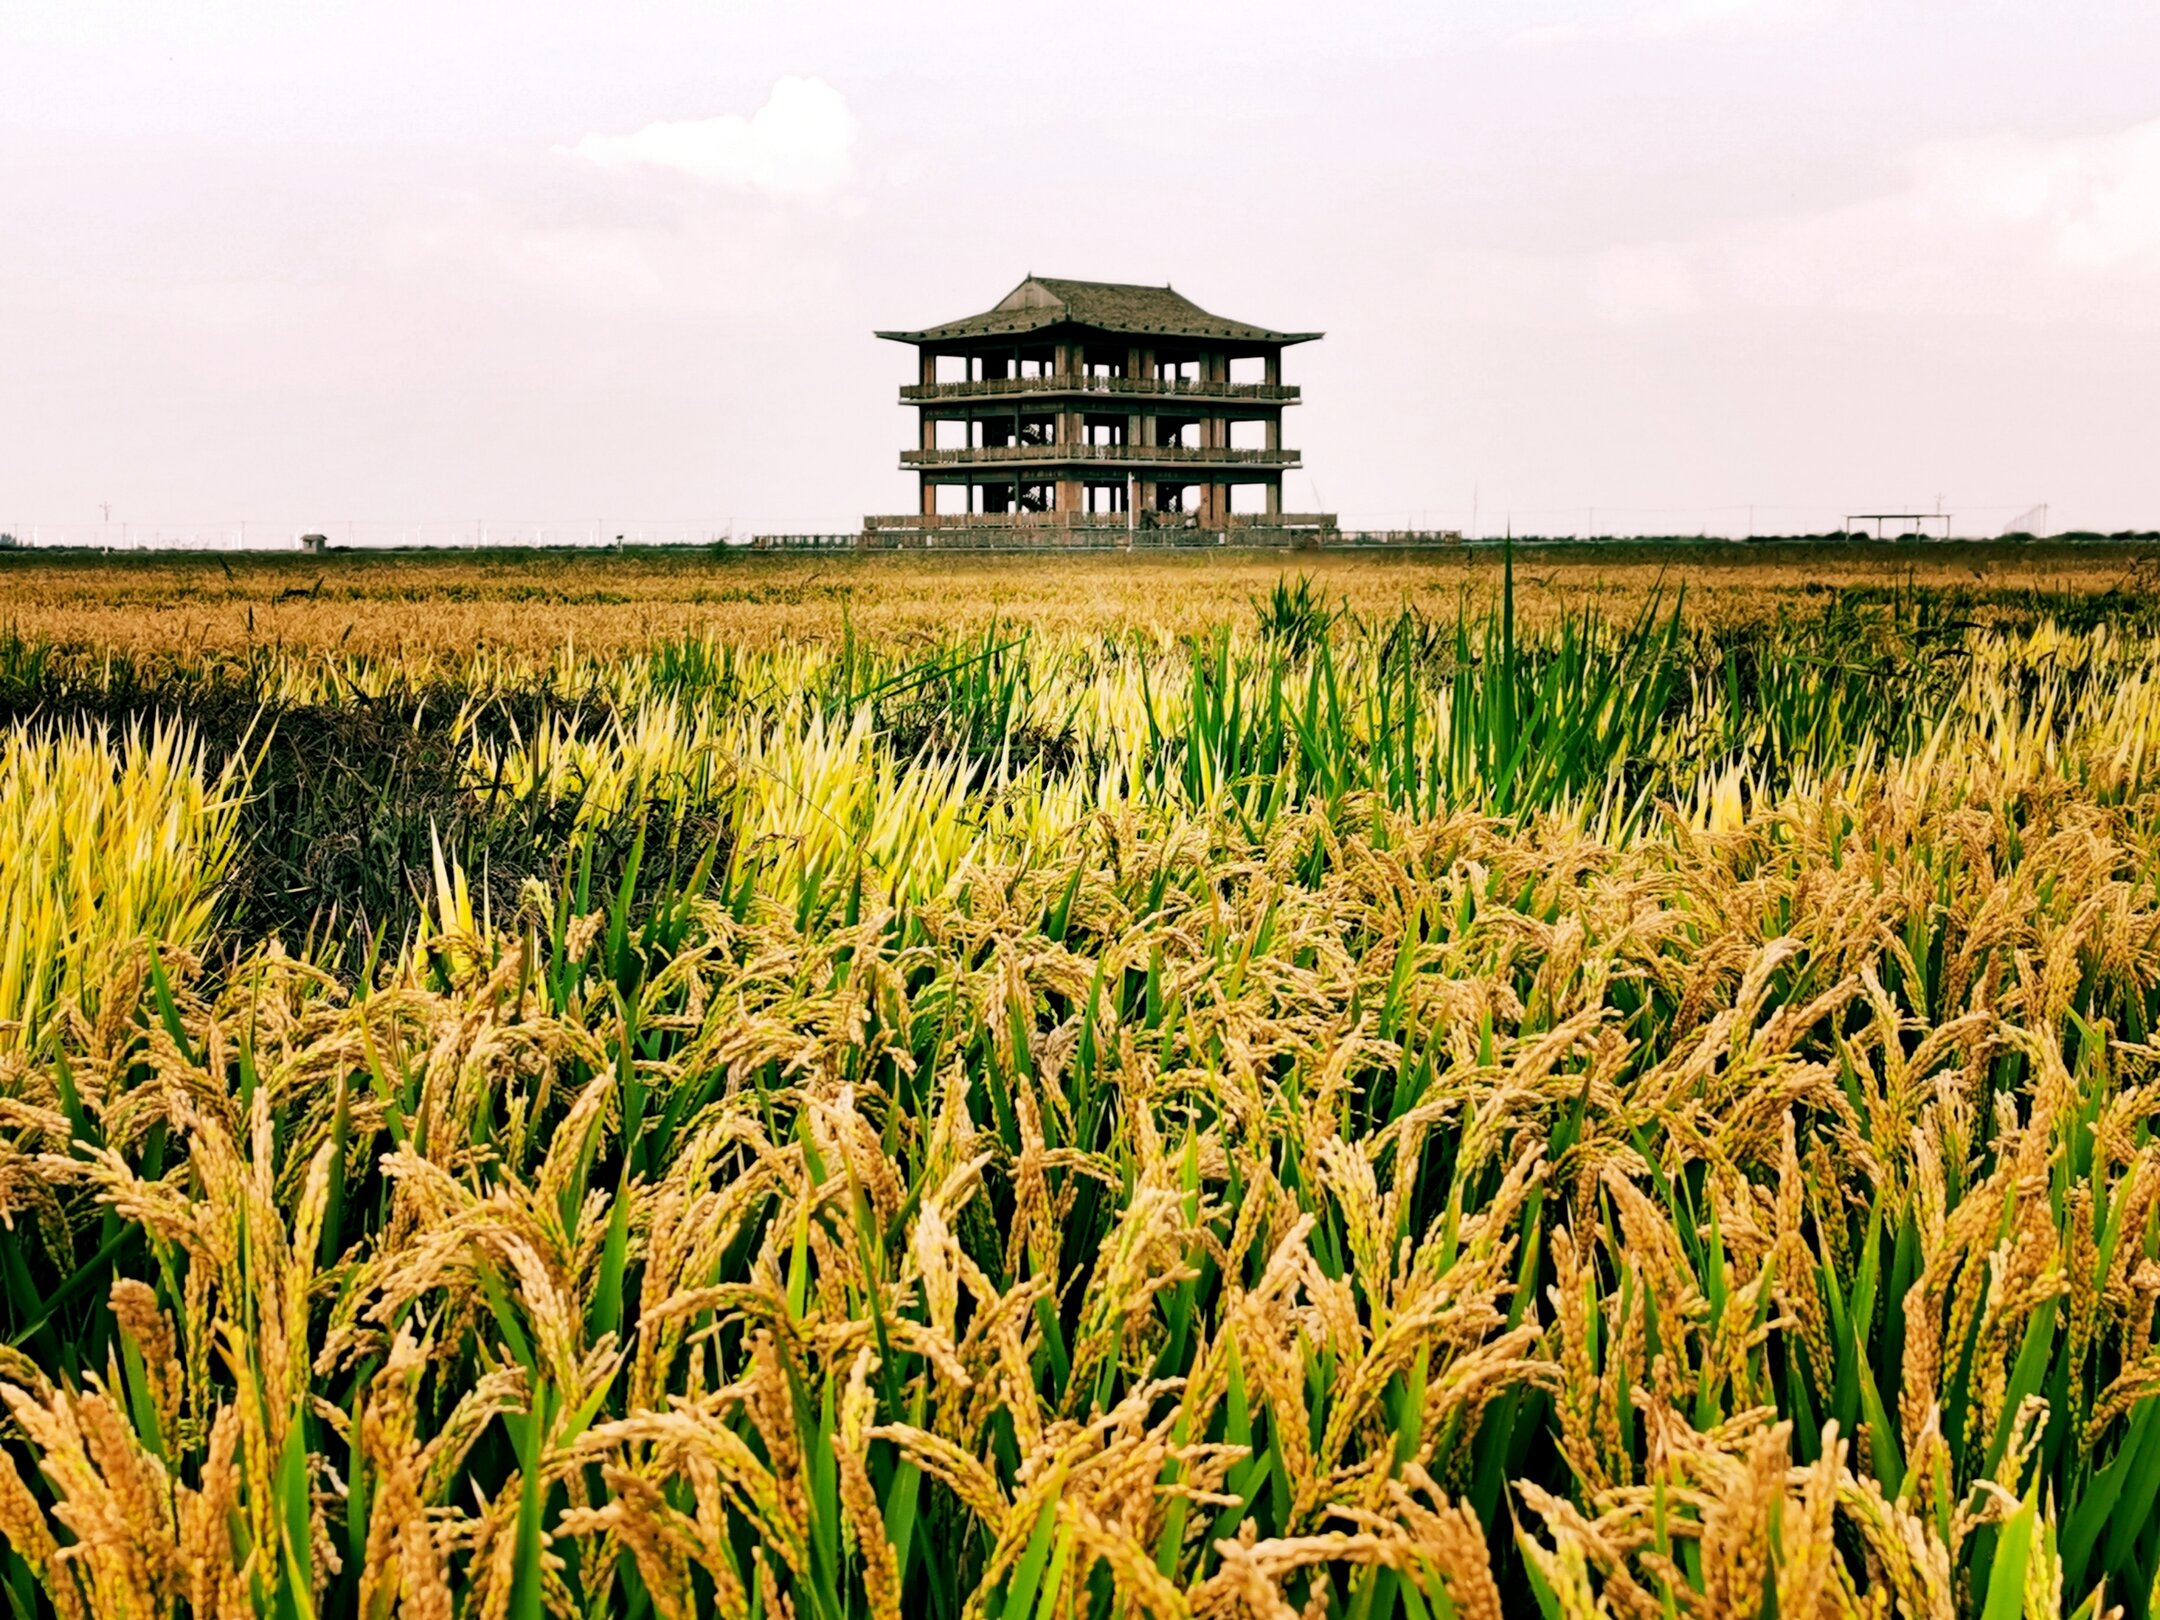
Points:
(1112, 454)
(1145, 387)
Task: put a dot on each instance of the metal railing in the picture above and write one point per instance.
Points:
(1173, 454)
(1074, 383)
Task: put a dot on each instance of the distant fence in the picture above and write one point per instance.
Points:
(807, 542)
(1396, 537)
(366, 535)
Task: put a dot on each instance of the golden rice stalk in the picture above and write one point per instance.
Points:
(110, 1493)
(23, 1525)
(135, 1308)
(881, 1571)
(406, 1564)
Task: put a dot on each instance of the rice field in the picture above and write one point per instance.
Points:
(1455, 1090)
(532, 602)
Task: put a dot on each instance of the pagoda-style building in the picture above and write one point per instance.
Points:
(1098, 413)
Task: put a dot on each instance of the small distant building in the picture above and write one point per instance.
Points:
(1098, 413)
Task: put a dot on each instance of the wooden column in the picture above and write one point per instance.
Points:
(1142, 430)
(1135, 359)
(927, 374)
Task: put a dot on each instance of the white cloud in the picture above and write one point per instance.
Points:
(800, 143)
(1538, 36)
(2092, 200)
(1647, 281)
(2001, 227)
(1672, 19)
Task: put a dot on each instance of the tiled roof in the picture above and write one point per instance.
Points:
(1119, 308)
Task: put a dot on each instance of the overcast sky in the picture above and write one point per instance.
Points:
(313, 261)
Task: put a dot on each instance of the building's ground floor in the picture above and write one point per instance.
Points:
(1210, 499)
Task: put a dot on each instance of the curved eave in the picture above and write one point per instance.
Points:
(948, 334)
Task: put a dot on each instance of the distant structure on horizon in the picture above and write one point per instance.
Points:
(1098, 413)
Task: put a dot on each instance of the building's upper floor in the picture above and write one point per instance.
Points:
(1051, 338)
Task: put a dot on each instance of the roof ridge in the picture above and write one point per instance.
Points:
(1121, 286)
(1133, 308)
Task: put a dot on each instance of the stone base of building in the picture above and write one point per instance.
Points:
(1074, 531)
